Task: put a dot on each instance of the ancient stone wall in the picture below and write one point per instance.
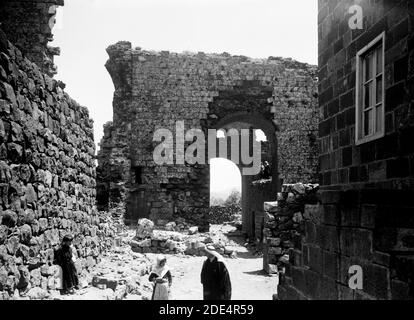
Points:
(28, 24)
(367, 190)
(155, 89)
(47, 176)
(284, 227)
(258, 192)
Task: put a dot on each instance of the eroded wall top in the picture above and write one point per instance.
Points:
(28, 25)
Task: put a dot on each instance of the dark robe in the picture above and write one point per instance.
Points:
(63, 258)
(216, 280)
(153, 276)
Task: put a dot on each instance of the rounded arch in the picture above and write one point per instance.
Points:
(250, 207)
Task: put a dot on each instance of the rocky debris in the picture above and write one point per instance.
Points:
(189, 242)
(192, 230)
(37, 294)
(122, 271)
(179, 224)
(121, 274)
(283, 224)
(145, 228)
(222, 214)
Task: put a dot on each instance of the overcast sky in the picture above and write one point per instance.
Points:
(255, 28)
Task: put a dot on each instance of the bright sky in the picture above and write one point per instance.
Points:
(255, 28)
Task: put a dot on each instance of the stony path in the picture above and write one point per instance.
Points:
(249, 282)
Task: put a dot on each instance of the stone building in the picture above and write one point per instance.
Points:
(366, 90)
(47, 165)
(206, 91)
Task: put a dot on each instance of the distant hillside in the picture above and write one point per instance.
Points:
(222, 194)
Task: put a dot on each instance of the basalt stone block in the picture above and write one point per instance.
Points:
(3, 42)
(400, 290)
(12, 244)
(15, 152)
(376, 281)
(9, 218)
(3, 233)
(23, 252)
(315, 259)
(109, 283)
(330, 197)
(313, 283)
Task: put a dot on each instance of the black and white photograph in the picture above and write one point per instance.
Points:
(208, 154)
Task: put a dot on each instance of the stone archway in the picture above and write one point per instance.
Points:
(206, 91)
(246, 107)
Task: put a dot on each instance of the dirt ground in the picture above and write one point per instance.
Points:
(248, 280)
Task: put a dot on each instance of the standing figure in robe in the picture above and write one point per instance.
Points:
(161, 277)
(65, 258)
(215, 276)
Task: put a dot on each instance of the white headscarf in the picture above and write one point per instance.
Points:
(160, 271)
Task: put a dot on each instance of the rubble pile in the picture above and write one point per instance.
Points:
(123, 272)
(283, 224)
(180, 225)
(222, 214)
(148, 239)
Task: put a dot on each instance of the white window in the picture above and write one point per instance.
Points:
(370, 91)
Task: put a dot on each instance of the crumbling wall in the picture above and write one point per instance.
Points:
(155, 89)
(257, 193)
(284, 227)
(47, 176)
(28, 25)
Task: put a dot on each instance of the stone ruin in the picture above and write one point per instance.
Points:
(49, 184)
(28, 25)
(207, 91)
(47, 154)
(166, 239)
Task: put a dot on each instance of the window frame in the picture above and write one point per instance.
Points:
(360, 138)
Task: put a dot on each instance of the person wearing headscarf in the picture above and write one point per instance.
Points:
(65, 258)
(215, 276)
(161, 277)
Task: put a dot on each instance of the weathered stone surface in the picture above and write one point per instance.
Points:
(204, 91)
(47, 174)
(27, 25)
(145, 228)
(9, 218)
(37, 294)
(192, 230)
(284, 225)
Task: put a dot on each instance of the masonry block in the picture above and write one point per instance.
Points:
(330, 264)
(313, 283)
(329, 289)
(400, 290)
(367, 216)
(377, 281)
(345, 293)
(298, 278)
(315, 259)
(331, 215)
